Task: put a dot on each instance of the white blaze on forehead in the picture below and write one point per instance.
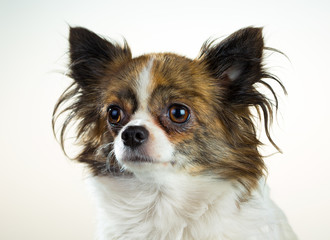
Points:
(143, 85)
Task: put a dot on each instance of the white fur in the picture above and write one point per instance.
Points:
(184, 207)
(144, 82)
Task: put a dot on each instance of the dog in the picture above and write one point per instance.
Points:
(172, 142)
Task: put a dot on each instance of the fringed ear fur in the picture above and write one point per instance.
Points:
(236, 64)
(91, 55)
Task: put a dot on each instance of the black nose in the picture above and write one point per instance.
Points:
(134, 136)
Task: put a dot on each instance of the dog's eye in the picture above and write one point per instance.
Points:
(178, 113)
(115, 114)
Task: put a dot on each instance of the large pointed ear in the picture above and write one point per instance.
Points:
(91, 55)
(236, 65)
(236, 62)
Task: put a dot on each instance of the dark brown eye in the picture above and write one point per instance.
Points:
(115, 115)
(178, 113)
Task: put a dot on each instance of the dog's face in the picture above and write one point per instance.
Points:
(157, 108)
(165, 112)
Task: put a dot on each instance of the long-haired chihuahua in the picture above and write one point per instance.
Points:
(172, 142)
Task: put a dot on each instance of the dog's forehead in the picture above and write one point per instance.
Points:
(154, 81)
(154, 74)
(166, 77)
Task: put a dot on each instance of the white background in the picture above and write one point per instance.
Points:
(42, 194)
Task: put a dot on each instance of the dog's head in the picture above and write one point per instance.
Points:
(165, 112)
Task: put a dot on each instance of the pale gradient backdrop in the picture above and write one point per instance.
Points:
(42, 194)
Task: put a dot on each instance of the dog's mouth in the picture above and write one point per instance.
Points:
(143, 160)
(137, 156)
(138, 159)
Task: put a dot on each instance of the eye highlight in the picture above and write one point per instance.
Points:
(178, 113)
(115, 115)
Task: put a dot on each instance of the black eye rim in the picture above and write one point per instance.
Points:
(182, 106)
(121, 114)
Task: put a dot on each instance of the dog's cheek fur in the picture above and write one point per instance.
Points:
(208, 149)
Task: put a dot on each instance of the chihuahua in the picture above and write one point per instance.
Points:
(172, 142)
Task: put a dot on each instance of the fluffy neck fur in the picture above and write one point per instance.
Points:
(184, 207)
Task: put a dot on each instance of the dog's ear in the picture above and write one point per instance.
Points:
(237, 63)
(91, 55)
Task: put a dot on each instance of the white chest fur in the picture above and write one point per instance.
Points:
(184, 207)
